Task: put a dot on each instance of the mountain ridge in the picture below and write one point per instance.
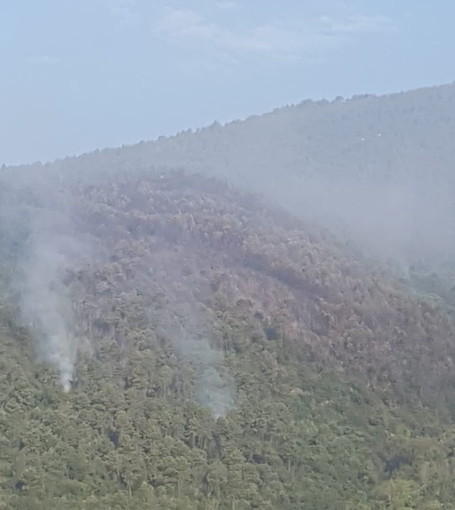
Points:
(225, 357)
(172, 341)
(375, 169)
(303, 103)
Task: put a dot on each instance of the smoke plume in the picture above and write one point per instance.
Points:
(46, 303)
(214, 384)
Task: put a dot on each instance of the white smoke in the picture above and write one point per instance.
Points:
(44, 298)
(215, 386)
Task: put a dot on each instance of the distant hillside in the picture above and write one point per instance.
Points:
(169, 342)
(379, 169)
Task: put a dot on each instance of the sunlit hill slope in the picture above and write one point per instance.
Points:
(170, 342)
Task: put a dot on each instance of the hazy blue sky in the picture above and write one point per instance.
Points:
(83, 74)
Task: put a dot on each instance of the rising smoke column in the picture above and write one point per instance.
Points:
(215, 387)
(46, 306)
(191, 327)
(49, 252)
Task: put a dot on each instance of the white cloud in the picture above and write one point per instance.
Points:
(43, 60)
(291, 40)
(227, 5)
(356, 24)
(124, 12)
(186, 26)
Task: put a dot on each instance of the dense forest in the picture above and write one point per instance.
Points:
(251, 316)
(377, 169)
(169, 342)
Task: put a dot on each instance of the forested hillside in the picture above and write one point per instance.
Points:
(378, 170)
(169, 342)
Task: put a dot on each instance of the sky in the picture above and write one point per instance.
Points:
(77, 75)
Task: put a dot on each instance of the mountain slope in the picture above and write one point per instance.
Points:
(378, 169)
(168, 341)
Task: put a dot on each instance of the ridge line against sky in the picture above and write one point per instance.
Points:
(97, 73)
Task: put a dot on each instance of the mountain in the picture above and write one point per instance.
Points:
(377, 169)
(168, 341)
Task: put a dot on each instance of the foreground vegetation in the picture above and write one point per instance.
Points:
(229, 357)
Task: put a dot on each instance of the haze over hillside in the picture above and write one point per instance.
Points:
(171, 340)
(378, 170)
